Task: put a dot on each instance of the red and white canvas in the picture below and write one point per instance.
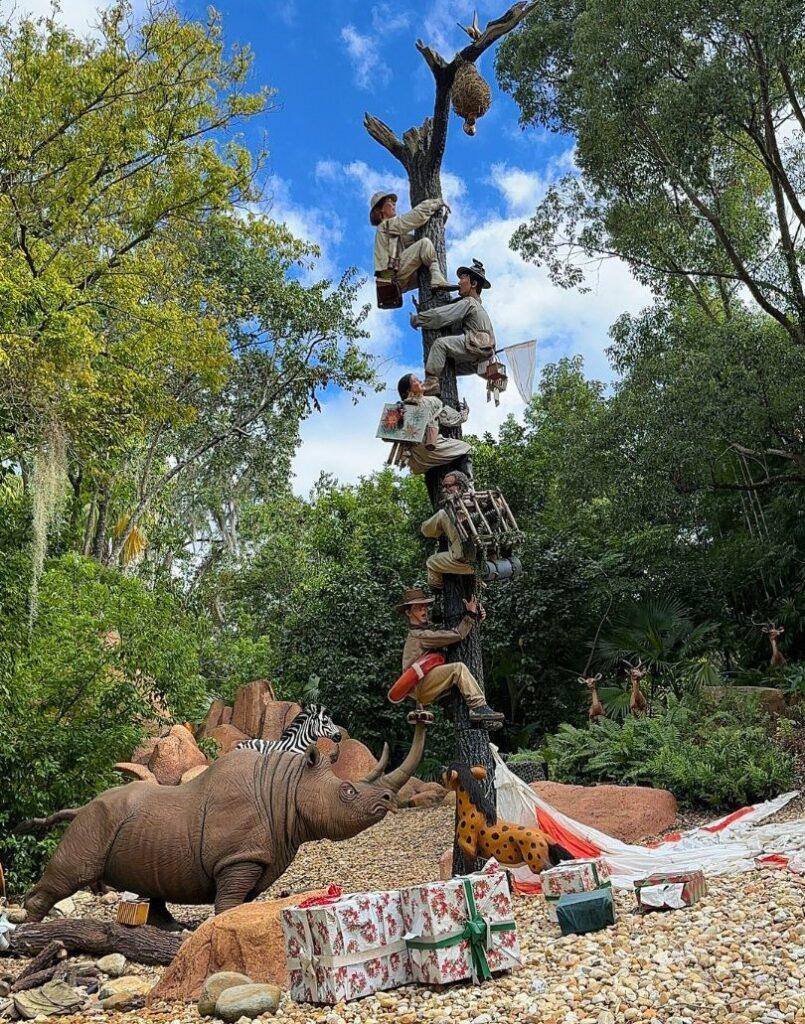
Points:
(347, 949)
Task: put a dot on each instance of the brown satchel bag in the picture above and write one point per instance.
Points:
(389, 293)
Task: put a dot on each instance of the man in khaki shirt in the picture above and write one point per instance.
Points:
(471, 349)
(395, 246)
(454, 560)
(421, 639)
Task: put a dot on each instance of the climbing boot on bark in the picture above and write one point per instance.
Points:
(431, 386)
(484, 715)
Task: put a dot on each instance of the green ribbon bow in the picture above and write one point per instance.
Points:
(477, 931)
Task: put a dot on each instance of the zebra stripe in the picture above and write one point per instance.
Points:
(310, 724)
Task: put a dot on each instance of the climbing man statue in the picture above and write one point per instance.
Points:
(455, 560)
(474, 346)
(434, 449)
(397, 252)
(423, 638)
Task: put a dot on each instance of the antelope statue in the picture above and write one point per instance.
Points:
(773, 632)
(637, 702)
(596, 707)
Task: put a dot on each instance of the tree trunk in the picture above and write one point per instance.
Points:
(99, 540)
(143, 945)
(420, 151)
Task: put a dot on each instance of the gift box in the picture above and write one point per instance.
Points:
(672, 891)
(461, 928)
(571, 877)
(580, 912)
(346, 947)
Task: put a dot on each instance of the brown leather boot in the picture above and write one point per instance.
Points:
(431, 386)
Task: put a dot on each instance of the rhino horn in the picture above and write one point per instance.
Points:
(380, 767)
(396, 780)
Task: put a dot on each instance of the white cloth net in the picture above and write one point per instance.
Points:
(522, 360)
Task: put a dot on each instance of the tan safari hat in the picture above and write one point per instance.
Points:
(477, 271)
(376, 200)
(414, 596)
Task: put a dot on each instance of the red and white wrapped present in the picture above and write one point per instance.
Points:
(462, 928)
(573, 876)
(347, 948)
(669, 890)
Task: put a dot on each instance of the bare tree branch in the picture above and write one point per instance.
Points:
(497, 28)
(381, 133)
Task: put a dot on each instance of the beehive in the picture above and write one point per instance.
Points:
(471, 95)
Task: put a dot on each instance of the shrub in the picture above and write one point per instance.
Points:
(77, 692)
(717, 760)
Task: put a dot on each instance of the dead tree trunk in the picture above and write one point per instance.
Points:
(420, 151)
(145, 945)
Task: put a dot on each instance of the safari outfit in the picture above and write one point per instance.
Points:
(394, 241)
(451, 561)
(424, 456)
(472, 349)
(437, 682)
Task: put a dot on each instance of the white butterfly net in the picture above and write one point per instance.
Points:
(522, 360)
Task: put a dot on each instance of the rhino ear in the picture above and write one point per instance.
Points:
(312, 755)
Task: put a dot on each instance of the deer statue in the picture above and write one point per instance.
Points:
(773, 632)
(596, 707)
(637, 702)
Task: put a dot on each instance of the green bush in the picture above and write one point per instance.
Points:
(717, 760)
(72, 703)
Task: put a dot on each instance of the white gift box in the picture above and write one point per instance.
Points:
(346, 949)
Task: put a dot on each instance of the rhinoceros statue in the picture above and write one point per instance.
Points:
(223, 837)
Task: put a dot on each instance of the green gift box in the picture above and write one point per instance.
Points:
(580, 912)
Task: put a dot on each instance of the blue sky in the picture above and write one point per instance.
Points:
(329, 63)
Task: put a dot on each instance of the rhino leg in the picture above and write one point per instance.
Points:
(78, 862)
(160, 917)
(236, 883)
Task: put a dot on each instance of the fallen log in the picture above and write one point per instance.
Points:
(35, 980)
(145, 945)
(50, 956)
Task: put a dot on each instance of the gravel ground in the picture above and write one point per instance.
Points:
(738, 956)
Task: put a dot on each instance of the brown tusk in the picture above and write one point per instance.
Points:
(380, 767)
(396, 780)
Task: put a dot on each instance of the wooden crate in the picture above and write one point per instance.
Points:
(133, 913)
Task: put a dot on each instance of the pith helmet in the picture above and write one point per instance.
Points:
(413, 596)
(477, 271)
(375, 201)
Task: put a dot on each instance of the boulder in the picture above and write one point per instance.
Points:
(247, 1001)
(247, 939)
(628, 813)
(416, 793)
(191, 773)
(249, 707)
(142, 755)
(277, 716)
(214, 986)
(127, 992)
(214, 716)
(173, 755)
(227, 736)
(226, 716)
(771, 699)
(113, 964)
(446, 865)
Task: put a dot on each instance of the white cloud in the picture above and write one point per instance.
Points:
(370, 71)
(366, 178)
(79, 15)
(387, 19)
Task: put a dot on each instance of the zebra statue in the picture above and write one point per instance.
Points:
(306, 728)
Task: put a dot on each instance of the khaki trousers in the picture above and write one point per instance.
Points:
(453, 346)
(443, 562)
(420, 254)
(443, 678)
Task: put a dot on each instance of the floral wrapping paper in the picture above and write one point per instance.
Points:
(685, 887)
(573, 876)
(438, 911)
(346, 950)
